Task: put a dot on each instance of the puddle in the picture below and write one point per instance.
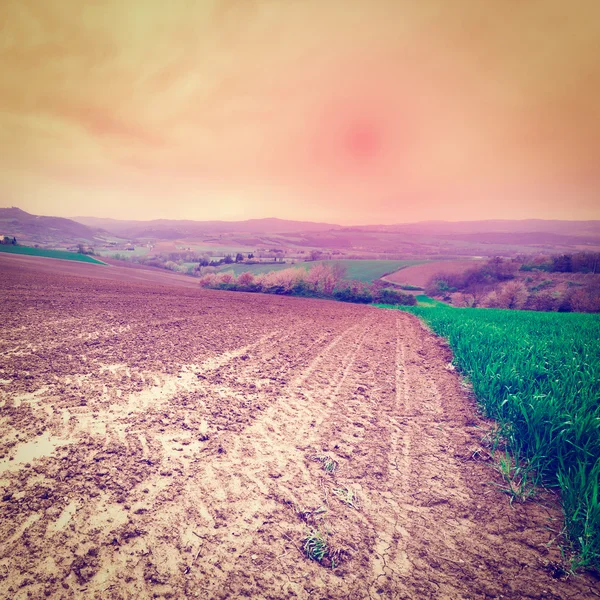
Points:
(116, 369)
(65, 517)
(29, 398)
(107, 516)
(92, 423)
(39, 447)
(31, 519)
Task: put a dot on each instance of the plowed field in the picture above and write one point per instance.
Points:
(162, 443)
(420, 275)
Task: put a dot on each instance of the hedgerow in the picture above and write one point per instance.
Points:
(321, 281)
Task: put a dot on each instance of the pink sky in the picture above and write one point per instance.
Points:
(345, 111)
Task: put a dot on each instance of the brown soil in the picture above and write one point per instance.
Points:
(114, 270)
(421, 274)
(161, 443)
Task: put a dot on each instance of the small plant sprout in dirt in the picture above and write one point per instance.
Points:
(519, 476)
(315, 545)
(347, 496)
(317, 548)
(329, 464)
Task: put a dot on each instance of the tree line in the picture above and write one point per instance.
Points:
(320, 281)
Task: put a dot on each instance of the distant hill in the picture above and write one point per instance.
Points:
(25, 226)
(525, 226)
(170, 229)
(427, 238)
(517, 231)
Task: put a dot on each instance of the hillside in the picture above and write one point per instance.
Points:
(45, 230)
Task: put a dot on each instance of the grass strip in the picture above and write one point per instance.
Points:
(47, 253)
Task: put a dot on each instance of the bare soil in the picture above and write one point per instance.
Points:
(160, 442)
(114, 270)
(421, 274)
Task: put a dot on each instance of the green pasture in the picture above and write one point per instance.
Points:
(62, 254)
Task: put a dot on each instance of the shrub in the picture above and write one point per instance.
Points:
(463, 300)
(513, 295)
(245, 280)
(582, 300)
(304, 289)
(354, 291)
(542, 302)
(441, 285)
(391, 296)
(491, 300)
(227, 278)
(472, 281)
(277, 282)
(322, 279)
(208, 280)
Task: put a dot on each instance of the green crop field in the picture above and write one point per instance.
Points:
(362, 270)
(255, 269)
(127, 254)
(370, 270)
(538, 376)
(62, 254)
(423, 300)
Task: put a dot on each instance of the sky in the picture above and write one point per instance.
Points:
(345, 111)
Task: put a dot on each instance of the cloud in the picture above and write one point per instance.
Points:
(396, 106)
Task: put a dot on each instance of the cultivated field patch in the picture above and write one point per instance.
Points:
(46, 253)
(419, 275)
(165, 442)
(361, 270)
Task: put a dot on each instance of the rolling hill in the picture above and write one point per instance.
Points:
(46, 230)
(174, 229)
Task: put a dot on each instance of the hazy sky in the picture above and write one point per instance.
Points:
(347, 111)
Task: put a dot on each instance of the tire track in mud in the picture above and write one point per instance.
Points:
(359, 434)
(420, 481)
(448, 509)
(272, 461)
(112, 411)
(113, 433)
(255, 480)
(110, 419)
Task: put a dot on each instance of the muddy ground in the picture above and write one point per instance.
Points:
(163, 442)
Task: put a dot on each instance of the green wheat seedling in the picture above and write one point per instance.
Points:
(347, 496)
(519, 477)
(315, 545)
(329, 464)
